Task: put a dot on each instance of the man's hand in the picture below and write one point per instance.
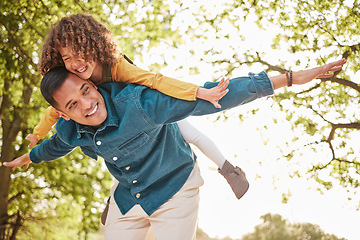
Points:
(20, 161)
(214, 94)
(32, 139)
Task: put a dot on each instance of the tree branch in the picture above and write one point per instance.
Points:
(343, 82)
(316, 168)
(13, 198)
(310, 89)
(16, 46)
(31, 26)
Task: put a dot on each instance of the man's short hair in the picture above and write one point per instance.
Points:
(51, 82)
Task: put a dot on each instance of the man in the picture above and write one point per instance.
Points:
(133, 128)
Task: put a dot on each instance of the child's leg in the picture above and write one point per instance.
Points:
(233, 175)
(194, 136)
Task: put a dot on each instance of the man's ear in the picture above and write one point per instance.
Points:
(63, 115)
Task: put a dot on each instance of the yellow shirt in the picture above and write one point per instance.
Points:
(124, 71)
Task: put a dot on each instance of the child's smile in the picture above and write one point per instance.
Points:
(78, 65)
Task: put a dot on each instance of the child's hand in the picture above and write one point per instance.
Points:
(20, 161)
(32, 139)
(214, 94)
(308, 75)
(318, 72)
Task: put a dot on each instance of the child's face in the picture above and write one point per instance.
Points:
(77, 64)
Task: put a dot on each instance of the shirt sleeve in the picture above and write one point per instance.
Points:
(124, 71)
(160, 109)
(206, 145)
(46, 123)
(50, 149)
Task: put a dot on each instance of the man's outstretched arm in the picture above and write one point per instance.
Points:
(48, 150)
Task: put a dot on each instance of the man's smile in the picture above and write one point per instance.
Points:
(93, 111)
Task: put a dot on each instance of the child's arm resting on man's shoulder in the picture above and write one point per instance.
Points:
(123, 71)
(214, 94)
(43, 127)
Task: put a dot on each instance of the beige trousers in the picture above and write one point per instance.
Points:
(175, 220)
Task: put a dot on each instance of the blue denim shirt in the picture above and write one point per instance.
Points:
(140, 141)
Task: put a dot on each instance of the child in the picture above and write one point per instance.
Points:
(84, 46)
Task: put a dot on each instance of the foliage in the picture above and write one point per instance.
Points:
(201, 235)
(323, 114)
(274, 227)
(70, 192)
(317, 32)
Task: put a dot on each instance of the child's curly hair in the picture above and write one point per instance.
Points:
(87, 37)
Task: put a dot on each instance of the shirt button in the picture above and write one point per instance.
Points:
(98, 143)
(115, 158)
(137, 195)
(134, 181)
(127, 168)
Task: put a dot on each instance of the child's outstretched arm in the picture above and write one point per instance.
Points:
(43, 127)
(123, 71)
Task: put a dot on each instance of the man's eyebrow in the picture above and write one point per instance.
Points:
(82, 86)
(68, 103)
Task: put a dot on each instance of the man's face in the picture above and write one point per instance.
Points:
(80, 101)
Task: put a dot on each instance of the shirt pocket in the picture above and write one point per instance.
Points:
(134, 144)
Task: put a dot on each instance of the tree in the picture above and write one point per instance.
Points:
(74, 187)
(274, 227)
(315, 32)
(324, 114)
(327, 110)
(201, 235)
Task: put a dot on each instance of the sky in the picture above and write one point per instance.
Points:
(248, 145)
(221, 214)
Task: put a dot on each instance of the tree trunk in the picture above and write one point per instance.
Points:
(16, 227)
(10, 131)
(5, 173)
